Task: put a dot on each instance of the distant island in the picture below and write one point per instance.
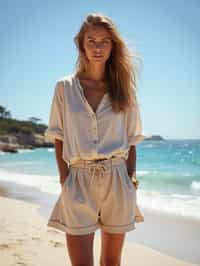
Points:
(155, 137)
(21, 134)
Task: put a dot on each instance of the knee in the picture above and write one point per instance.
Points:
(83, 264)
(110, 262)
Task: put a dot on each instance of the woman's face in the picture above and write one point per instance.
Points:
(97, 44)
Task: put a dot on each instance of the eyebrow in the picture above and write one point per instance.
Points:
(90, 37)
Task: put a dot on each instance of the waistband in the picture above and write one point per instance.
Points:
(99, 162)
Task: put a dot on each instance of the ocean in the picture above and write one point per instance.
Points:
(168, 171)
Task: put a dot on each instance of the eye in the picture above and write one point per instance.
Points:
(107, 42)
(90, 41)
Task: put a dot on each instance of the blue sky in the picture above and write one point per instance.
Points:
(37, 48)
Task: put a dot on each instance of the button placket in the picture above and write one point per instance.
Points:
(94, 128)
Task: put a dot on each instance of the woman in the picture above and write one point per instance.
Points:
(95, 124)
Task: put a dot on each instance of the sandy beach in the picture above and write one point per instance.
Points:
(26, 240)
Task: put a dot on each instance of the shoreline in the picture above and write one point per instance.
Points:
(32, 196)
(27, 241)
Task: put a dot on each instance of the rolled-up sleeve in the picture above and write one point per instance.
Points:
(55, 125)
(135, 130)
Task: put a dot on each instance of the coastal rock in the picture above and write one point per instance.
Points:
(12, 143)
(9, 147)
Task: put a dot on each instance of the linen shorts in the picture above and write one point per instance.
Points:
(96, 195)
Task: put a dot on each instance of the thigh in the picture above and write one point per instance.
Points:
(76, 211)
(118, 207)
(80, 248)
(111, 248)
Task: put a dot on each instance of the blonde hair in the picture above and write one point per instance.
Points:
(120, 70)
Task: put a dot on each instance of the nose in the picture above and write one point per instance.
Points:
(98, 45)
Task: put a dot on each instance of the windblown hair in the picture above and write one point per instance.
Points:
(120, 70)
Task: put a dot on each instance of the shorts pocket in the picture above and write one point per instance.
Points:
(128, 178)
(66, 183)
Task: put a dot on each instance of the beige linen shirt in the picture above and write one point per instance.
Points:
(88, 135)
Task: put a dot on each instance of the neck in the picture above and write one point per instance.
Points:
(96, 72)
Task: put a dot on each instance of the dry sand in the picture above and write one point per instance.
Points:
(26, 240)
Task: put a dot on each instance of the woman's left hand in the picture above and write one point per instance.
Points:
(135, 182)
(133, 178)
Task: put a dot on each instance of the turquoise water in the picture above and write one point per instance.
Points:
(169, 174)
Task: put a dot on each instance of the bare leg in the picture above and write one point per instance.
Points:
(111, 248)
(80, 249)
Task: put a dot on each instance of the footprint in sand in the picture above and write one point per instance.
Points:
(4, 246)
(20, 240)
(18, 256)
(53, 231)
(35, 238)
(56, 243)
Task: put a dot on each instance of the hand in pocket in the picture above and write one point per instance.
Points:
(135, 182)
(63, 178)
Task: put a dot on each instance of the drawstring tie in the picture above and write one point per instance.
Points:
(99, 168)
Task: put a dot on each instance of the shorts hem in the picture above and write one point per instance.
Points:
(73, 231)
(119, 228)
(139, 219)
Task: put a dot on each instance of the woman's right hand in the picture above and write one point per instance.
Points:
(63, 178)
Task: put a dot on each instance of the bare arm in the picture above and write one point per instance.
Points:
(131, 165)
(62, 165)
(131, 161)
